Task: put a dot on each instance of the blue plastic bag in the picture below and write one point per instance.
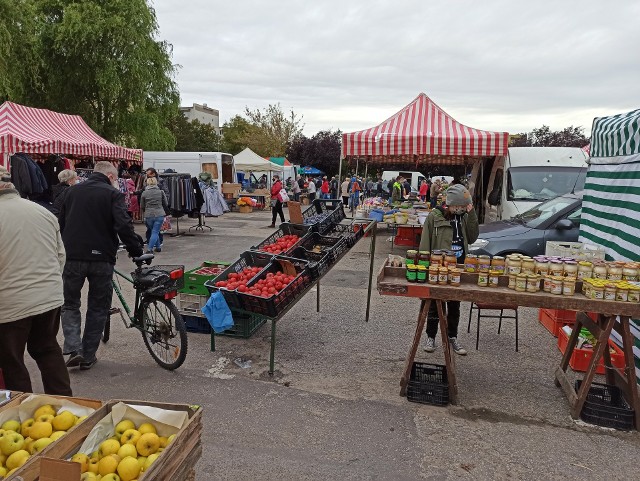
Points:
(218, 313)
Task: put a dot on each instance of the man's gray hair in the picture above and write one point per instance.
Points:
(66, 175)
(105, 168)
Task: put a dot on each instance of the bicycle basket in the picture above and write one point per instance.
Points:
(159, 280)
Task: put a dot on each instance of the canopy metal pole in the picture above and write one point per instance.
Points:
(366, 168)
(340, 176)
(357, 162)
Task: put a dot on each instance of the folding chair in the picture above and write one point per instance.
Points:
(492, 307)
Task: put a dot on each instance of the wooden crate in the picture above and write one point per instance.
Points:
(181, 455)
(13, 396)
(30, 471)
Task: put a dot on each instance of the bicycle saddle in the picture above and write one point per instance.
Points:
(144, 258)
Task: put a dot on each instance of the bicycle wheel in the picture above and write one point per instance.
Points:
(164, 332)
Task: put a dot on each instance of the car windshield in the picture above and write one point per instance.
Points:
(543, 183)
(540, 213)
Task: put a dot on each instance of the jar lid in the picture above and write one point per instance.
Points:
(422, 252)
(421, 268)
(443, 269)
(569, 279)
(411, 266)
(571, 263)
(471, 256)
(533, 276)
(522, 274)
(484, 256)
(585, 263)
(498, 258)
(494, 273)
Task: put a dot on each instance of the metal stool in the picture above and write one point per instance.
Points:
(492, 307)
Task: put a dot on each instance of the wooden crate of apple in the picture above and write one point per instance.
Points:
(281, 245)
(20, 440)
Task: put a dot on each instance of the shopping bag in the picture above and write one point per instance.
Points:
(283, 196)
(218, 313)
(166, 224)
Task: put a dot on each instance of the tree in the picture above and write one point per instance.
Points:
(234, 135)
(100, 59)
(544, 137)
(321, 151)
(194, 136)
(271, 130)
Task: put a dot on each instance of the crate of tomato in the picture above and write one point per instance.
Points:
(284, 240)
(195, 278)
(247, 267)
(276, 287)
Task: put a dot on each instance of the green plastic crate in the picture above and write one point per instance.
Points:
(194, 283)
(244, 325)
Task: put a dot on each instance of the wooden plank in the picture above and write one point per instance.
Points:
(448, 357)
(422, 319)
(563, 381)
(593, 326)
(630, 371)
(573, 341)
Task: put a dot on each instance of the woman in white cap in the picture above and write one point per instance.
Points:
(451, 227)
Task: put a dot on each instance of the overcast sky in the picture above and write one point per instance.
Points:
(496, 65)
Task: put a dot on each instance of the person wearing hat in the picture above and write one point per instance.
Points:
(450, 227)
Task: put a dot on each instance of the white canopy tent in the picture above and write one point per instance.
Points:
(248, 160)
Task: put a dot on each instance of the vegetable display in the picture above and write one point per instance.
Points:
(283, 244)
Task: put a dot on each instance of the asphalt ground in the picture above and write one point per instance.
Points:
(333, 411)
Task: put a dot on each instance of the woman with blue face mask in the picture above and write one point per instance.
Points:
(451, 227)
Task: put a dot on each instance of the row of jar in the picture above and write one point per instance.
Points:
(622, 291)
(434, 274)
(436, 258)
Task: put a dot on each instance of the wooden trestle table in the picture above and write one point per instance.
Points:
(611, 315)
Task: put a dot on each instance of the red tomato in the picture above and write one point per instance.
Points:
(279, 286)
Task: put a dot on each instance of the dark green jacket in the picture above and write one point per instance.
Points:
(437, 233)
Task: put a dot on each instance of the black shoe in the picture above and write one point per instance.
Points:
(272, 226)
(85, 366)
(158, 249)
(75, 359)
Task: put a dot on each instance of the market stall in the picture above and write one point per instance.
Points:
(446, 283)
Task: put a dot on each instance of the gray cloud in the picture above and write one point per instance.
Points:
(500, 65)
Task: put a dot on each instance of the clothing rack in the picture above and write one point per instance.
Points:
(201, 224)
(175, 212)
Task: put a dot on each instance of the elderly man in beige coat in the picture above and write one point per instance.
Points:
(31, 262)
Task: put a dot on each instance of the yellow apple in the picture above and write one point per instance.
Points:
(148, 444)
(145, 428)
(3, 471)
(11, 442)
(40, 430)
(2, 431)
(11, 425)
(81, 459)
(28, 442)
(80, 419)
(110, 446)
(150, 460)
(64, 421)
(122, 426)
(171, 438)
(127, 450)
(40, 444)
(45, 418)
(130, 436)
(44, 409)
(3, 458)
(26, 425)
(128, 468)
(17, 459)
(88, 476)
(10, 473)
(57, 435)
(141, 461)
(93, 465)
(108, 465)
(164, 441)
(110, 477)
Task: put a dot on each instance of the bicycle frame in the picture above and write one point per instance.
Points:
(118, 291)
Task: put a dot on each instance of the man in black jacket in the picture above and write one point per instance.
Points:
(92, 218)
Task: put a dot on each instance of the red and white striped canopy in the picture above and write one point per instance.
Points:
(420, 130)
(41, 131)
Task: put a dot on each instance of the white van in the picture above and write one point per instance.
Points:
(528, 176)
(414, 178)
(219, 164)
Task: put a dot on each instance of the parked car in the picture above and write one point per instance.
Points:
(527, 233)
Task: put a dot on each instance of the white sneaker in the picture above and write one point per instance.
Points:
(457, 348)
(430, 345)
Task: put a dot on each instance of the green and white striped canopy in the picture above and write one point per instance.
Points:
(611, 203)
(616, 139)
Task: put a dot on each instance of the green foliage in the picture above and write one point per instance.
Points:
(544, 137)
(235, 133)
(194, 136)
(321, 151)
(99, 59)
(271, 130)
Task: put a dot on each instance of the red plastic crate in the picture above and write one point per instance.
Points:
(581, 358)
(554, 319)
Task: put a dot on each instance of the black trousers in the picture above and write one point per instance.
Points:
(453, 318)
(275, 210)
(38, 335)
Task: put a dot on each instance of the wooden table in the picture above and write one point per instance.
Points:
(392, 281)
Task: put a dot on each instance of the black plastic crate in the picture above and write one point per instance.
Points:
(286, 228)
(196, 324)
(428, 384)
(247, 259)
(605, 406)
(276, 304)
(351, 232)
(329, 212)
(328, 244)
(319, 263)
(244, 325)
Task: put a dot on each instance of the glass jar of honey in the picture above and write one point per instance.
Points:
(569, 286)
(521, 282)
(433, 274)
(494, 278)
(443, 276)
(411, 273)
(471, 263)
(484, 263)
(498, 264)
(450, 259)
(455, 276)
(421, 274)
(585, 269)
(411, 257)
(528, 266)
(483, 279)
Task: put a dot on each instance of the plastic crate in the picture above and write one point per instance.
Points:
(554, 319)
(194, 283)
(428, 384)
(331, 210)
(285, 229)
(334, 246)
(345, 231)
(191, 304)
(159, 280)
(196, 324)
(580, 358)
(577, 250)
(605, 406)
(276, 304)
(244, 325)
(319, 263)
(247, 259)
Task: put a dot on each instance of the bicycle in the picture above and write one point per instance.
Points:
(154, 314)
